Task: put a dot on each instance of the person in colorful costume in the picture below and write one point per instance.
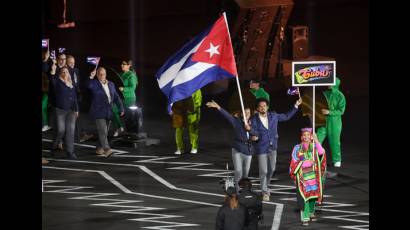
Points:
(187, 112)
(307, 170)
(336, 107)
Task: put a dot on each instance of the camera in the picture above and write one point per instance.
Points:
(227, 182)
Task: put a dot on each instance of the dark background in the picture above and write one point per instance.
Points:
(149, 32)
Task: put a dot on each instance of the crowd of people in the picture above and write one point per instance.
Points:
(255, 133)
(63, 95)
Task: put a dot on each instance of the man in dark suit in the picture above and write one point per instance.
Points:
(104, 95)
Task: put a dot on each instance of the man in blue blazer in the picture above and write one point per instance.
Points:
(265, 124)
(104, 95)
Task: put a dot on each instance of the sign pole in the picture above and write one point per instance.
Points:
(314, 114)
(299, 93)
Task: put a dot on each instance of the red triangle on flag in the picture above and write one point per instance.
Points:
(217, 48)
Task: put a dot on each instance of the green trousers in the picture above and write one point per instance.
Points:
(333, 136)
(308, 211)
(118, 123)
(193, 129)
(116, 117)
(44, 108)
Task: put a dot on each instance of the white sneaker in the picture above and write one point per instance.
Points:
(116, 133)
(45, 128)
(338, 164)
(194, 151)
(178, 152)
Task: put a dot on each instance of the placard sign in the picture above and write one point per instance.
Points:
(313, 73)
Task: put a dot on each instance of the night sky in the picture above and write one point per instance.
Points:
(149, 32)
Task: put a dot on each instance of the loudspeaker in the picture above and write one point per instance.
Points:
(299, 42)
(255, 36)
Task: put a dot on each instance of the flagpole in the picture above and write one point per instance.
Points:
(237, 78)
(240, 98)
(299, 93)
(314, 105)
(97, 64)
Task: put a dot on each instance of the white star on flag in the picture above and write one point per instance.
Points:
(212, 50)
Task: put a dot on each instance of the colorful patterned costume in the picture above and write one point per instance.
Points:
(308, 170)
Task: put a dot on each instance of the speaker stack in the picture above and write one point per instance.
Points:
(256, 36)
(299, 42)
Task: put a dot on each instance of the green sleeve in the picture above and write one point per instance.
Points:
(130, 84)
(266, 95)
(339, 108)
(197, 98)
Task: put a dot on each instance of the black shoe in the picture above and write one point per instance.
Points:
(72, 156)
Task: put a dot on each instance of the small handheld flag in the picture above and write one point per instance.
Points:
(93, 60)
(293, 91)
(44, 43)
(61, 50)
(53, 55)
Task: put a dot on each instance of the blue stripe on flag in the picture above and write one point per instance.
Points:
(182, 52)
(186, 89)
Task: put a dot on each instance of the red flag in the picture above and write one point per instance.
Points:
(217, 48)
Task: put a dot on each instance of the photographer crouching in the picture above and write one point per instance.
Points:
(252, 201)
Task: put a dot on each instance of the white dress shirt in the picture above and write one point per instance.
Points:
(264, 121)
(107, 90)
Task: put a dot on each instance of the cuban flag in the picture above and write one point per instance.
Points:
(53, 55)
(93, 60)
(206, 58)
(293, 91)
(44, 43)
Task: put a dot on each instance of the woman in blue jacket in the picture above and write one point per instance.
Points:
(103, 96)
(241, 146)
(66, 109)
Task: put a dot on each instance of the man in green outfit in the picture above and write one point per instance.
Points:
(130, 82)
(257, 90)
(336, 106)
